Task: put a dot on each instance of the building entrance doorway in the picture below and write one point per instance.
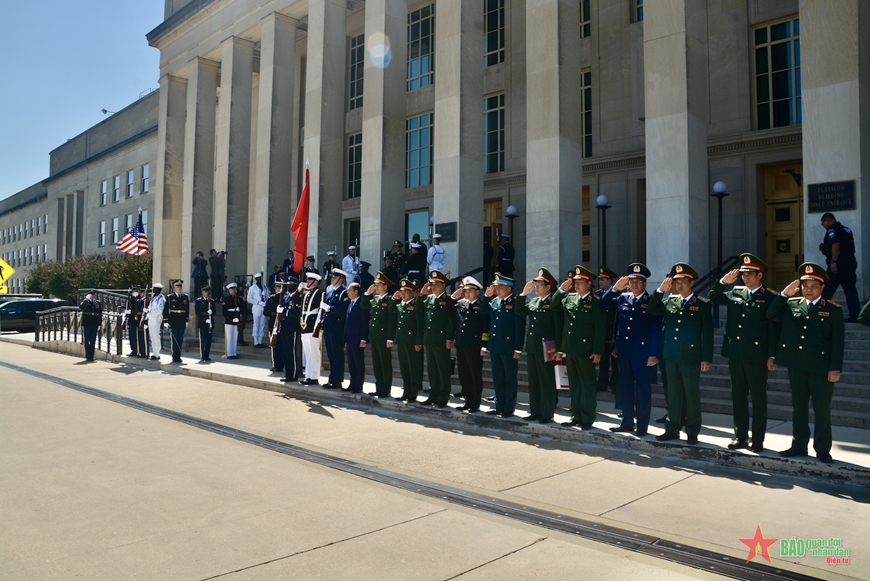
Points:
(784, 224)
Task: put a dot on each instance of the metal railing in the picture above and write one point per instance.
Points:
(706, 281)
(112, 300)
(65, 324)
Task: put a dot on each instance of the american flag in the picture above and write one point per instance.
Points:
(135, 242)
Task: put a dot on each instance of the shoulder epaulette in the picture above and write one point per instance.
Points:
(739, 288)
(769, 290)
(703, 299)
(830, 302)
(795, 299)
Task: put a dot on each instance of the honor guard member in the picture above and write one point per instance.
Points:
(204, 308)
(231, 308)
(436, 257)
(608, 368)
(310, 323)
(750, 346)
(350, 264)
(438, 337)
(92, 318)
(272, 312)
(364, 277)
(580, 320)
(310, 266)
(356, 334)
(334, 306)
(416, 262)
(504, 261)
(176, 313)
(408, 338)
(257, 297)
(541, 335)
(507, 333)
(811, 346)
(391, 273)
(838, 246)
(330, 265)
(382, 329)
(637, 346)
(154, 317)
(290, 312)
(472, 334)
(687, 347)
(397, 254)
(133, 318)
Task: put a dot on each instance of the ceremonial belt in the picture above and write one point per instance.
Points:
(309, 313)
(177, 311)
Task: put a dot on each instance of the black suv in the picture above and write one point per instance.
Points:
(20, 314)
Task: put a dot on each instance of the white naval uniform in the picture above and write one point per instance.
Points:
(257, 297)
(436, 257)
(311, 345)
(350, 264)
(154, 313)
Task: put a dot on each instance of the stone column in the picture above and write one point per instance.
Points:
(325, 106)
(555, 139)
(458, 147)
(835, 65)
(168, 180)
(199, 136)
(233, 157)
(382, 200)
(273, 209)
(675, 95)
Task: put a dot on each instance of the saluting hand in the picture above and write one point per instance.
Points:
(621, 284)
(530, 286)
(371, 289)
(397, 295)
(567, 286)
(731, 277)
(666, 285)
(457, 294)
(792, 289)
(425, 289)
(490, 291)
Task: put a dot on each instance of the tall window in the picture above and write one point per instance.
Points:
(354, 165)
(585, 19)
(418, 148)
(145, 221)
(351, 232)
(101, 239)
(778, 74)
(638, 10)
(493, 32)
(39, 225)
(357, 64)
(115, 231)
(586, 103)
(145, 171)
(44, 252)
(130, 183)
(116, 188)
(46, 223)
(493, 134)
(421, 48)
(128, 222)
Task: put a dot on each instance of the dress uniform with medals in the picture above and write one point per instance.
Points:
(811, 346)
(382, 329)
(687, 347)
(581, 332)
(608, 367)
(290, 312)
(204, 308)
(440, 328)
(231, 306)
(176, 314)
(334, 306)
(133, 316)
(750, 340)
(92, 319)
(472, 335)
(507, 334)
(309, 321)
(397, 255)
(410, 313)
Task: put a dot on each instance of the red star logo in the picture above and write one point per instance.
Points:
(758, 544)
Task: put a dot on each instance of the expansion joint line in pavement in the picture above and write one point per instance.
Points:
(499, 558)
(650, 545)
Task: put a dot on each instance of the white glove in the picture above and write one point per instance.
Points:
(235, 320)
(325, 307)
(262, 303)
(127, 312)
(146, 311)
(280, 310)
(165, 325)
(209, 311)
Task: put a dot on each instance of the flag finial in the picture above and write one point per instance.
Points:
(307, 163)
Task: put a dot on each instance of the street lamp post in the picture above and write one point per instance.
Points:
(601, 202)
(512, 215)
(719, 193)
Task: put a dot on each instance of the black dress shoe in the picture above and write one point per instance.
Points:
(662, 419)
(207, 359)
(570, 424)
(738, 444)
(825, 457)
(531, 418)
(427, 402)
(692, 439)
(153, 358)
(585, 427)
(627, 429)
(507, 414)
(131, 354)
(757, 448)
(545, 421)
(459, 395)
(793, 453)
(463, 407)
(641, 433)
(285, 380)
(441, 406)
(473, 410)
(619, 415)
(355, 390)
(668, 436)
(493, 413)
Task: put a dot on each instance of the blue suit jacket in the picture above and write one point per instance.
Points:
(638, 334)
(356, 328)
(334, 320)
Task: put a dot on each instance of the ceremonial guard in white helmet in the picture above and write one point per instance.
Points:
(258, 295)
(311, 323)
(154, 315)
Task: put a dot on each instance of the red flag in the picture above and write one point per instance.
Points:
(299, 226)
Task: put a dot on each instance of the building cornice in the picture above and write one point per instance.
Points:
(179, 17)
(151, 131)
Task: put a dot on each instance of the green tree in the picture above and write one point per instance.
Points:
(106, 271)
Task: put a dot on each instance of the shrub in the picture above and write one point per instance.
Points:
(109, 271)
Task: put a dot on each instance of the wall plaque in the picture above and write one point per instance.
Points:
(831, 197)
(447, 231)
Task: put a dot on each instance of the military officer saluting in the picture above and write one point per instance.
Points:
(92, 319)
(176, 314)
(438, 337)
(507, 334)
(688, 347)
(580, 341)
(811, 345)
(382, 329)
(608, 368)
(397, 255)
(472, 334)
(750, 345)
(132, 317)
(410, 314)
(204, 308)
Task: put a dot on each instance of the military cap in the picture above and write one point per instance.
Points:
(291, 280)
(581, 272)
(258, 275)
(351, 247)
(311, 258)
(812, 271)
(604, 272)
(415, 245)
(205, 288)
(232, 285)
(331, 253)
(382, 278)
(471, 282)
(438, 276)
(436, 235)
(398, 243)
(545, 276)
(502, 279)
(750, 262)
(339, 272)
(683, 270)
(279, 282)
(364, 263)
(637, 270)
(313, 275)
(179, 282)
(505, 236)
(409, 284)
(157, 285)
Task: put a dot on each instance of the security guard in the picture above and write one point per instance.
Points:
(92, 319)
(687, 350)
(580, 341)
(637, 346)
(608, 368)
(838, 246)
(811, 345)
(382, 329)
(507, 334)
(472, 334)
(204, 308)
(410, 313)
(750, 346)
(271, 311)
(176, 313)
(438, 337)
(132, 317)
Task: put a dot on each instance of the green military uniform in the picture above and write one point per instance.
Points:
(864, 315)
(811, 344)
(580, 334)
(382, 328)
(750, 339)
(688, 325)
(542, 327)
(410, 324)
(440, 327)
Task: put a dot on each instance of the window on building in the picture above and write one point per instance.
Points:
(18, 261)
(493, 134)
(24, 230)
(778, 74)
(585, 18)
(101, 240)
(39, 226)
(421, 48)
(586, 104)
(37, 255)
(418, 148)
(44, 252)
(130, 183)
(32, 226)
(115, 231)
(638, 10)
(30, 256)
(493, 32)
(354, 165)
(357, 65)
(417, 222)
(46, 223)
(145, 171)
(128, 222)
(116, 188)
(145, 221)
(351, 232)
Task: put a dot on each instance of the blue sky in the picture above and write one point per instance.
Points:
(63, 61)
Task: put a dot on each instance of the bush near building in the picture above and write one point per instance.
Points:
(110, 271)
